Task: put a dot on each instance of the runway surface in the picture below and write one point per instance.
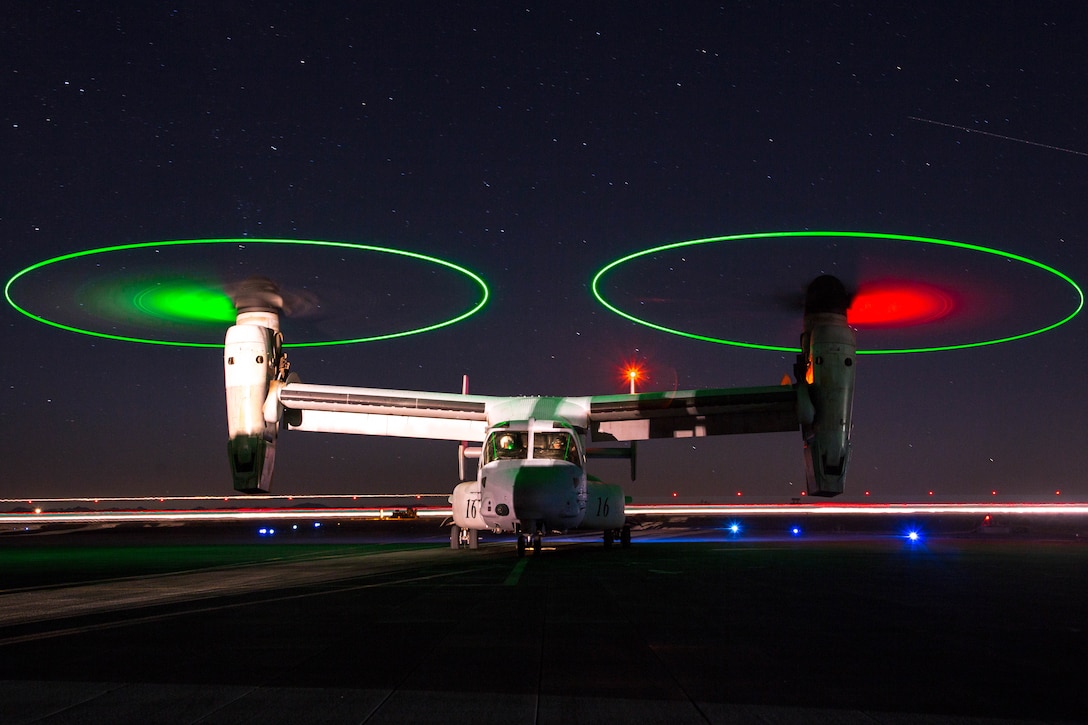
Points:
(381, 622)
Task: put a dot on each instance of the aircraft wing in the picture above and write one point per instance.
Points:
(382, 412)
(693, 413)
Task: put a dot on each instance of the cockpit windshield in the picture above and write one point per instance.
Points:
(504, 445)
(557, 445)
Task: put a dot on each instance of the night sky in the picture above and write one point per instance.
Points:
(533, 144)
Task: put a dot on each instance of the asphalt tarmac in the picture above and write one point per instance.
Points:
(383, 623)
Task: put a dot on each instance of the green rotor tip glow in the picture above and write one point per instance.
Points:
(599, 295)
(183, 302)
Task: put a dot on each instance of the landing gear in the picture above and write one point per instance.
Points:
(624, 534)
(464, 537)
(525, 541)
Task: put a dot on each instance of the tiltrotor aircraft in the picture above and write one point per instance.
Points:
(532, 451)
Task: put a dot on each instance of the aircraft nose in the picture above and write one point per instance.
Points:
(548, 494)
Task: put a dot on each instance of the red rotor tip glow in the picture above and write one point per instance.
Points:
(898, 304)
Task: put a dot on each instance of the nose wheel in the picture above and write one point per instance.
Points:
(464, 537)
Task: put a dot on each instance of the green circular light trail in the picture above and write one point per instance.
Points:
(182, 303)
(595, 286)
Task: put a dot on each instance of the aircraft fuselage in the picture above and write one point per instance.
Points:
(531, 480)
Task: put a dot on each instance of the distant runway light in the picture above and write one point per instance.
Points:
(913, 536)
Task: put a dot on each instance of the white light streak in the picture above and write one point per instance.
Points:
(193, 516)
(867, 509)
(246, 497)
(733, 510)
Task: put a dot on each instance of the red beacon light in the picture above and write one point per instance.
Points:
(633, 373)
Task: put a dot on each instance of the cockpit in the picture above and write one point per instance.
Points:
(506, 444)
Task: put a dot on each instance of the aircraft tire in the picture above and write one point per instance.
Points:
(536, 542)
(625, 536)
(455, 536)
(521, 545)
(609, 537)
(473, 539)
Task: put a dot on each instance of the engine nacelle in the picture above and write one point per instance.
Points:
(825, 404)
(825, 386)
(250, 364)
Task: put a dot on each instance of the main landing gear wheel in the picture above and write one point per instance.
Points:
(525, 541)
(473, 539)
(455, 537)
(624, 534)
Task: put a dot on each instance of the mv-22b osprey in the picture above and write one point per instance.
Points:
(532, 451)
